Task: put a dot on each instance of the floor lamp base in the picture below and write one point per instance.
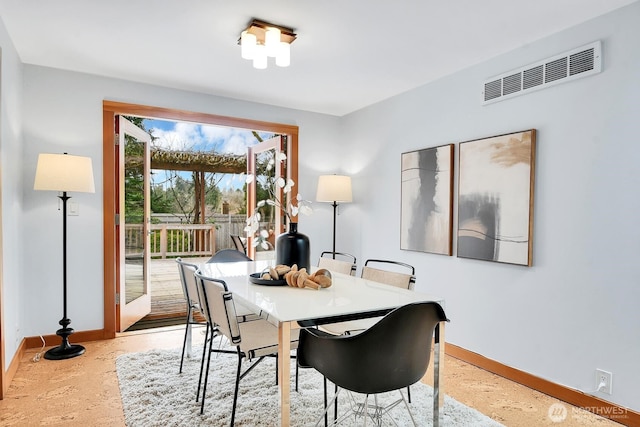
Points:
(61, 353)
(64, 350)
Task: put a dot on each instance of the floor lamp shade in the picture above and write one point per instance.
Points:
(334, 189)
(63, 173)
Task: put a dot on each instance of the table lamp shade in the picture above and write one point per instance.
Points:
(62, 172)
(334, 188)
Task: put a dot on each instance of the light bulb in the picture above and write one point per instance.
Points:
(272, 41)
(283, 58)
(247, 44)
(260, 57)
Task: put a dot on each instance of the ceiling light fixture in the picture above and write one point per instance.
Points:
(261, 40)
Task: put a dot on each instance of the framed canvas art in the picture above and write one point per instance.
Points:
(495, 198)
(427, 194)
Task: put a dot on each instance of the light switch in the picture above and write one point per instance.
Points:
(73, 208)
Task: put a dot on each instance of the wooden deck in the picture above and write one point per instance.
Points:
(167, 298)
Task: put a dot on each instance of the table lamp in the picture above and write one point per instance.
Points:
(63, 173)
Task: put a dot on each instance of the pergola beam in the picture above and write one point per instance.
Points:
(193, 161)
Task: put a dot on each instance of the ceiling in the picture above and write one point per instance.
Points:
(349, 53)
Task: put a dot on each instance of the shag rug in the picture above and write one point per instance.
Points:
(155, 394)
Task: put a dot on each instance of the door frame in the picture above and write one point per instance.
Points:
(110, 109)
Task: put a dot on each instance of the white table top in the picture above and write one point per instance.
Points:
(347, 295)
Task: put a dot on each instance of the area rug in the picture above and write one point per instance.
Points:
(155, 394)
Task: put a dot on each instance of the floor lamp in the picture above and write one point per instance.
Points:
(334, 189)
(63, 173)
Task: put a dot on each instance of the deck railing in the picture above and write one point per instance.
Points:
(173, 240)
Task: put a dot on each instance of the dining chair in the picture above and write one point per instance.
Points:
(189, 289)
(194, 302)
(238, 243)
(390, 355)
(338, 262)
(396, 274)
(390, 272)
(232, 255)
(255, 339)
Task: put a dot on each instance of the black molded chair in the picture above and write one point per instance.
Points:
(229, 255)
(338, 262)
(391, 355)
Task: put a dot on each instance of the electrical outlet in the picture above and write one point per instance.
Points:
(605, 378)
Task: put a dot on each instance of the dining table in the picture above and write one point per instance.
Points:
(348, 298)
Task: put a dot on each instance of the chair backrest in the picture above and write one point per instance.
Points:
(238, 243)
(402, 276)
(188, 280)
(219, 307)
(228, 255)
(338, 262)
(392, 354)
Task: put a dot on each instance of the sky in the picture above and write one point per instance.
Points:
(185, 136)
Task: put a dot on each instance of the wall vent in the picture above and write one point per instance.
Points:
(574, 64)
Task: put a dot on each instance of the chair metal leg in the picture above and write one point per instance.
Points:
(235, 393)
(335, 407)
(187, 333)
(366, 409)
(206, 376)
(204, 352)
(326, 411)
(326, 416)
(409, 393)
(408, 409)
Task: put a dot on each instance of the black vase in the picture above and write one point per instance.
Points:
(293, 248)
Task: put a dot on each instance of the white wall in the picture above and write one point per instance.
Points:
(11, 191)
(576, 309)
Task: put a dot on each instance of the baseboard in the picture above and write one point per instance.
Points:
(574, 397)
(12, 369)
(77, 337)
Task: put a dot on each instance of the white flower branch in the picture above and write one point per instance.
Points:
(301, 206)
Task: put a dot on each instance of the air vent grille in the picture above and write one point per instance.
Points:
(581, 62)
(532, 77)
(512, 84)
(577, 63)
(493, 90)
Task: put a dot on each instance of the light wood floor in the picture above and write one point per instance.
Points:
(84, 391)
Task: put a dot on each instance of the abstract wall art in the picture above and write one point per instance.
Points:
(495, 198)
(427, 194)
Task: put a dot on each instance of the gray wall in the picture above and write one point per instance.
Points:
(572, 312)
